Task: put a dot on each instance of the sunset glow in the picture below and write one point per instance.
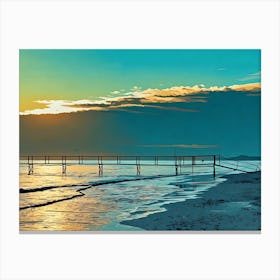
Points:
(184, 94)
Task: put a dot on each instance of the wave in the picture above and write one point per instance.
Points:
(84, 187)
(21, 190)
(51, 202)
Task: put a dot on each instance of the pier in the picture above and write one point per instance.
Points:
(178, 162)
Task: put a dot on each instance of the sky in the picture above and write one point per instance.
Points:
(140, 101)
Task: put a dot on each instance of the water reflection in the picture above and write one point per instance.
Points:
(73, 215)
(102, 207)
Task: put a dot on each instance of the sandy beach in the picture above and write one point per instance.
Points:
(232, 205)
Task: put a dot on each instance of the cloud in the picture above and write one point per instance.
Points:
(151, 97)
(184, 146)
(59, 106)
(115, 92)
(252, 76)
(254, 87)
(221, 69)
(169, 108)
(136, 88)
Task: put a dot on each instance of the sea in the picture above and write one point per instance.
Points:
(83, 200)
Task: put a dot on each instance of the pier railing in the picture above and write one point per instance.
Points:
(177, 161)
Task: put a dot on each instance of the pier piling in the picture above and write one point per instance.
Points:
(214, 166)
(63, 164)
(30, 165)
(138, 167)
(176, 169)
(100, 169)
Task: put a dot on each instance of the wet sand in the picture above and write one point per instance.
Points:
(232, 205)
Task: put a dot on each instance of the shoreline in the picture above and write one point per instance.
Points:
(232, 205)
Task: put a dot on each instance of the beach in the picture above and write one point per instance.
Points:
(232, 205)
(81, 200)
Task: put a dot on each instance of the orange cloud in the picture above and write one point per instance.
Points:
(254, 87)
(137, 97)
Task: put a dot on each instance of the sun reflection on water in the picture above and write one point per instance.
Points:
(73, 215)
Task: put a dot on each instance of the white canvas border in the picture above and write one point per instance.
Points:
(131, 24)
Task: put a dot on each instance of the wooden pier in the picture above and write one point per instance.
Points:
(177, 161)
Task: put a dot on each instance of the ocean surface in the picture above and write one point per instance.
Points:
(81, 200)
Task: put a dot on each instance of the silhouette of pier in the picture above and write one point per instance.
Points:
(176, 161)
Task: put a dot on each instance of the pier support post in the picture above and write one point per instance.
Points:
(63, 163)
(193, 163)
(100, 166)
(81, 159)
(30, 169)
(100, 169)
(214, 167)
(30, 165)
(63, 168)
(138, 169)
(176, 169)
(156, 160)
(180, 161)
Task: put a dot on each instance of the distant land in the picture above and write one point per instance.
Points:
(242, 157)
